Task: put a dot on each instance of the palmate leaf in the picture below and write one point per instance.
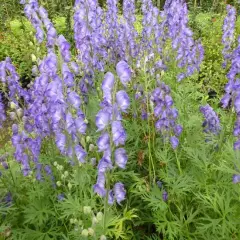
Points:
(29, 234)
(71, 206)
(38, 212)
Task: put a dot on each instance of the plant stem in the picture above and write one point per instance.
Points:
(178, 163)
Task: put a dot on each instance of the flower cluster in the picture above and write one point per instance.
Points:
(2, 112)
(211, 123)
(130, 32)
(10, 80)
(189, 53)
(113, 135)
(228, 33)
(232, 91)
(38, 16)
(88, 35)
(166, 114)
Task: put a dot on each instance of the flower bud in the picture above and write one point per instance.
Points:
(60, 167)
(94, 220)
(66, 173)
(90, 231)
(103, 237)
(58, 183)
(13, 105)
(85, 232)
(99, 216)
(34, 58)
(69, 186)
(55, 164)
(88, 139)
(91, 147)
(87, 210)
(19, 112)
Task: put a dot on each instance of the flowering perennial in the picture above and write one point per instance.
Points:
(211, 123)
(113, 135)
(228, 34)
(166, 115)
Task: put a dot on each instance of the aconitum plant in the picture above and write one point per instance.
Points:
(2, 112)
(190, 53)
(166, 115)
(113, 135)
(228, 34)
(211, 123)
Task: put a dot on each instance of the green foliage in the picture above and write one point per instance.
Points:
(202, 201)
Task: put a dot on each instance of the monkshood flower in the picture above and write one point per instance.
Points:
(149, 23)
(228, 33)
(88, 35)
(189, 52)
(64, 47)
(119, 192)
(130, 32)
(38, 16)
(112, 33)
(2, 112)
(108, 121)
(236, 179)
(165, 196)
(211, 123)
(232, 87)
(30, 11)
(120, 157)
(166, 115)
(10, 77)
(124, 72)
(99, 187)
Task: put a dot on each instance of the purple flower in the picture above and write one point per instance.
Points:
(166, 114)
(48, 170)
(110, 197)
(2, 112)
(124, 72)
(81, 126)
(108, 82)
(64, 46)
(178, 130)
(119, 192)
(104, 165)
(174, 142)
(236, 178)
(165, 196)
(99, 187)
(61, 142)
(103, 142)
(123, 100)
(211, 123)
(74, 99)
(228, 33)
(61, 197)
(118, 133)
(121, 157)
(80, 153)
(102, 119)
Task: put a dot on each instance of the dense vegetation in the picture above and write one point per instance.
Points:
(119, 121)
